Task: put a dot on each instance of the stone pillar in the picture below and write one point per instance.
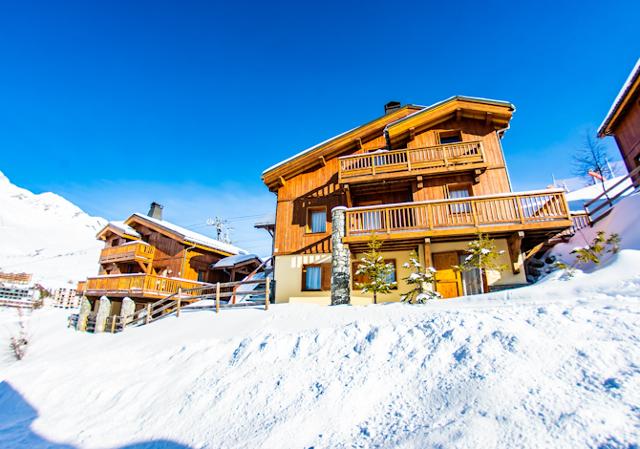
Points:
(340, 265)
(85, 310)
(127, 310)
(104, 309)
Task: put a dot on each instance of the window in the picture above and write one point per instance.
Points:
(316, 277)
(450, 137)
(317, 220)
(456, 192)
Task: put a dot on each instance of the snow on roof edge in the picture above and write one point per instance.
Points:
(621, 94)
(422, 109)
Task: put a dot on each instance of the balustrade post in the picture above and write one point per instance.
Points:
(218, 297)
(179, 302)
(520, 208)
(373, 165)
(474, 213)
(444, 156)
(267, 293)
(387, 220)
(408, 161)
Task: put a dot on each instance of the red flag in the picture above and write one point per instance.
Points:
(595, 175)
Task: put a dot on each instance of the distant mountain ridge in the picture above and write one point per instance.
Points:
(46, 235)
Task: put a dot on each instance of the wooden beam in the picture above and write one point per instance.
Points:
(347, 192)
(514, 242)
(282, 181)
(488, 118)
(322, 161)
(358, 142)
(458, 114)
(412, 133)
(428, 261)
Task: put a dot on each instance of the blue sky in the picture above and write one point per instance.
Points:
(114, 105)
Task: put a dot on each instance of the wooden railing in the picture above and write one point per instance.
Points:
(526, 208)
(128, 251)
(435, 158)
(81, 287)
(137, 284)
(600, 206)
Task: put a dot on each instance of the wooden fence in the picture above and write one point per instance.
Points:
(600, 206)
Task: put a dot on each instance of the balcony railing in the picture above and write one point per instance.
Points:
(138, 285)
(440, 158)
(465, 215)
(129, 251)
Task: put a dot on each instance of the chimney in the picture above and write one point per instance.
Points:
(391, 106)
(155, 211)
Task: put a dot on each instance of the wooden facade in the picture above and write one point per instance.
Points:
(146, 258)
(623, 122)
(435, 173)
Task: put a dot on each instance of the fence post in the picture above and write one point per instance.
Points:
(113, 324)
(148, 317)
(178, 302)
(267, 294)
(218, 297)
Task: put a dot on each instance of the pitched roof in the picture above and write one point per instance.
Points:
(628, 88)
(392, 121)
(188, 235)
(231, 261)
(120, 228)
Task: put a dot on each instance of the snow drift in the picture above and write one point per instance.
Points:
(46, 235)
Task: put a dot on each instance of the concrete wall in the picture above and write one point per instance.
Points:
(288, 273)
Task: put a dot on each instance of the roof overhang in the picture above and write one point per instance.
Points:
(624, 99)
(399, 123)
(140, 219)
(313, 156)
(110, 227)
(494, 112)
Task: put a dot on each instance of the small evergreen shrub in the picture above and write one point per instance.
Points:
(422, 279)
(375, 271)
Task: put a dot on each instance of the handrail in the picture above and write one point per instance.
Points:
(431, 158)
(610, 201)
(472, 212)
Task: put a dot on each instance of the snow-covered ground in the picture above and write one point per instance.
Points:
(556, 364)
(47, 236)
(551, 365)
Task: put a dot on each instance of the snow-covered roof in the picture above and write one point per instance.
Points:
(124, 228)
(231, 261)
(624, 91)
(191, 236)
(267, 220)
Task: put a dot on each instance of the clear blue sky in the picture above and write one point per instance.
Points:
(117, 104)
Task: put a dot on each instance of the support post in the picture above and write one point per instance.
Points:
(104, 309)
(428, 261)
(267, 293)
(85, 310)
(113, 323)
(218, 297)
(127, 310)
(178, 302)
(340, 273)
(514, 242)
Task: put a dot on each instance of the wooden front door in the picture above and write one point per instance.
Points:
(447, 279)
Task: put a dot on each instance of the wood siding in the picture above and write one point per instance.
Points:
(319, 186)
(627, 135)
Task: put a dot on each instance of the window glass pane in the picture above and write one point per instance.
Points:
(318, 221)
(471, 281)
(391, 277)
(314, 278)
(458, 208)
(450, 138)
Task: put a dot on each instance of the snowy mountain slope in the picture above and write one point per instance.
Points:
(46, 235)
(550, 365)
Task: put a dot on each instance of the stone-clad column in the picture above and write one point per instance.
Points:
(85, 310)
(104, 309)
(340, 265)
(127, 310)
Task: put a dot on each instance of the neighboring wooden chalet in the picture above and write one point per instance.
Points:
(427, 179)
(623, 122)
(147, 258)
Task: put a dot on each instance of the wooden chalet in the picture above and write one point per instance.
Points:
(623, 123)
(147, 258)
(421, 178)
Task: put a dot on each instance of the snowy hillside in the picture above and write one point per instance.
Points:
(46, 235)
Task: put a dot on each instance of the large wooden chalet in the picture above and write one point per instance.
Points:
(427, 179)
(623, 123)
(147, 258)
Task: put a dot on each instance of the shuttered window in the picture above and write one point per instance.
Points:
(316, 277)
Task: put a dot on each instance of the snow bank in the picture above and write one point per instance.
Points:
(623, 220)
(551, 365)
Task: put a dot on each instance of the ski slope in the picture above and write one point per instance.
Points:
(47, 236)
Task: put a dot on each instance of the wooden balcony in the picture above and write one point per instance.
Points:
(137, 285)
(133, 251)
(440, 159)
(541, 211)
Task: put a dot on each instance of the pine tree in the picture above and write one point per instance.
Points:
(422, 280)
(482, 255)
(375, 271)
